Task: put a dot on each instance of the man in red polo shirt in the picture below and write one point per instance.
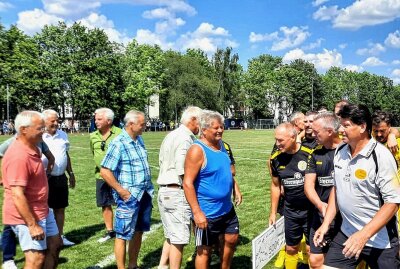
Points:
(25, 206)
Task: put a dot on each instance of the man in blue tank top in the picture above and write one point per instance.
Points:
(208, 186)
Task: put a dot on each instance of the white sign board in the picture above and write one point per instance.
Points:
(267, 244)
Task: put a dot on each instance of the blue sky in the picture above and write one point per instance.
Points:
(357, 35)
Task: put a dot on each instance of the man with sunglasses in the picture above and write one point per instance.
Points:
(99, 141)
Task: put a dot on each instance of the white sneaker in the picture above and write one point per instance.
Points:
(9, 265)
(107, 236)
(66, 242)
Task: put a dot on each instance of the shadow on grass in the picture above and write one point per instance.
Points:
(152, 258)
(238, 262)
(243, 240)
(80, 235)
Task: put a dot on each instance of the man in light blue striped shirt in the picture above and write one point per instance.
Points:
(126, 169)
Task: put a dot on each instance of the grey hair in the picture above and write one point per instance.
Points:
(189, 113)
(132, 116)
(24, 119)
(329, 121)
(106, 111)
(207, 116)
(295, 116)
(289, 127)
(48, 112)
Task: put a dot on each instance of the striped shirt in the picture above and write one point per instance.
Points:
(127, 159)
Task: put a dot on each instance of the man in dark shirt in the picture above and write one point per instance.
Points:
(319, 179)
(288, 165)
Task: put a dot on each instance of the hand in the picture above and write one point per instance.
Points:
(36, 232)
(322, 208)
(272, 219)
(354, 245)
(124, 194)
(392, 144)
(71, 181)
(200, 220)
(319, 240)
(237, 195)
(49, 168)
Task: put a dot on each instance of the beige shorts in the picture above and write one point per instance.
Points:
(175, 215)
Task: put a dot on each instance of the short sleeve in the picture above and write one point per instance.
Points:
(311, 165)
(112, 157)
(16, 171)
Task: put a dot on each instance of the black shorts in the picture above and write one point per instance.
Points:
(58, 192)
(374, 257)
(296, 227)
(104, 195)
(225, 224)
(334, 228)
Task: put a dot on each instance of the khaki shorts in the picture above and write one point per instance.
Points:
(175, 215)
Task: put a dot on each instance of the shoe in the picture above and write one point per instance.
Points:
(9, 265)
(66, 242)
(107, 236)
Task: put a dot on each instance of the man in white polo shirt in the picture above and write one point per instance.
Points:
(366, 192)
(58, 144)
(174, 209)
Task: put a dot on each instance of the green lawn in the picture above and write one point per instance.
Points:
(84, 223)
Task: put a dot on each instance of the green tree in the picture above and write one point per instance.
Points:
(229, 73)
(142, 73)
(80, 68)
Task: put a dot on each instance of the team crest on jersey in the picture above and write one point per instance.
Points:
(302, 165)
(298, 175)
(361, 174)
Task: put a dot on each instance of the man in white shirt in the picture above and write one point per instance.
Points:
(58, 143)
(174, 209)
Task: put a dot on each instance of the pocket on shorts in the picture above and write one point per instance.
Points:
(124, 215)
(168, 201)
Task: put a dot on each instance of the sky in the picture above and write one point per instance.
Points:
(361, 35)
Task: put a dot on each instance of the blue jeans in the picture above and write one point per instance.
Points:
(8, 243)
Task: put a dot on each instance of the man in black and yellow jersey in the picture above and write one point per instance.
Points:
(309, 138)
(288, 166)
(319, 180)
(381, 129)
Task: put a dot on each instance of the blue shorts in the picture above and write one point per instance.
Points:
(26, 242)
(132, 215)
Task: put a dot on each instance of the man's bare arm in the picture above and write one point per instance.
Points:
(193, 162)
(275, 195)
(23, 208)
(309, 190)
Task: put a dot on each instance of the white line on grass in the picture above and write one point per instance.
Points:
(111, 258)
(251, 159)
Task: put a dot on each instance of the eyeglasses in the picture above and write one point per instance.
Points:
(103, 145)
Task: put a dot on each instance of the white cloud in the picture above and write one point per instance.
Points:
(326, 13)
(206, 37)
(373, 49)
(287, 38)
(396, 62)
(4, 6)
(95, 20)
(313, 45)
(253, 38)
(360, 13)
(33, 21)
(393, 40)
(396, 73)
(319, 2)
(354, 68)
(158, 13)
(372, 61)
(144, 36)
(322, 61)
(70, 8)
(342, 46)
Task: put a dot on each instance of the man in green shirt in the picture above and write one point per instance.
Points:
(99, 141)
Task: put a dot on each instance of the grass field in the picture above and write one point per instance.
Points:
(84, 223)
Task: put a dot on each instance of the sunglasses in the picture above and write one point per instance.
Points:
(103, 145)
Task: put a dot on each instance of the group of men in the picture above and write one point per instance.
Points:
(196, 183)
(342, 192)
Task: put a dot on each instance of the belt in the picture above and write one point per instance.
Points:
(175, 186)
